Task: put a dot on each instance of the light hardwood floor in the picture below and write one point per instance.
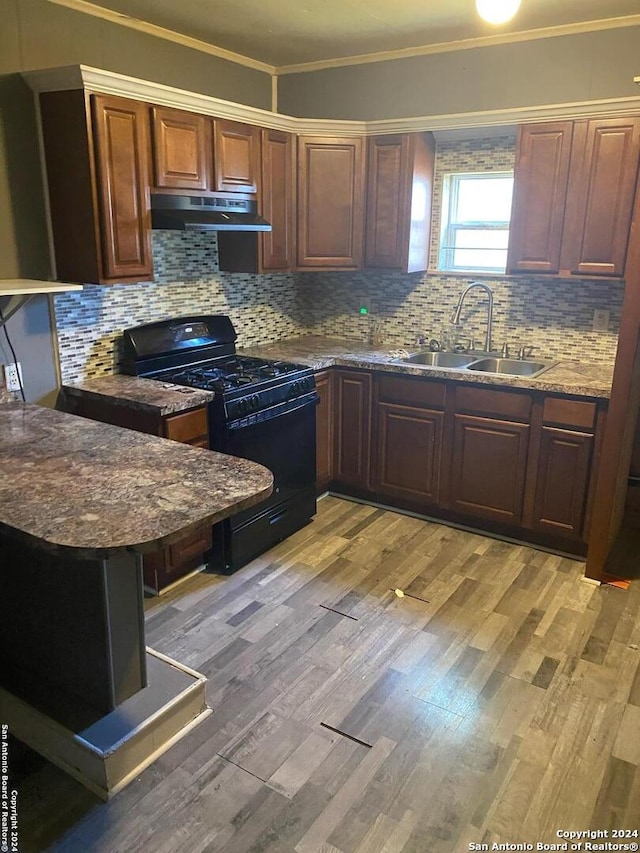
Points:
(499, 700)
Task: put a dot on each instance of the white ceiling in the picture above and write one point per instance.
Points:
(290, 32)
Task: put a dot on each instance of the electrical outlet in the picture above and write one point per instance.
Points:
(601, 320)
(13, 376)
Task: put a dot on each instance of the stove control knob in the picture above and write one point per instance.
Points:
(306, 384)
(295, 388)
(242, 406)
(255, 402)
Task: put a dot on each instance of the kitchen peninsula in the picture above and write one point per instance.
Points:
(80, 501)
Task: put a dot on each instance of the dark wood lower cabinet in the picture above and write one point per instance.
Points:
(521, 462)
(352, 437)
(162, 568)
(488, 468)
(408, 453)
(324, 430)
(563, 476)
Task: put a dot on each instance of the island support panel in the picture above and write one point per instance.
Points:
(74, 630)
(77, 683)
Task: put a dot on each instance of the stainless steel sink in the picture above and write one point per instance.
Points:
(510, 366)
(440, 359)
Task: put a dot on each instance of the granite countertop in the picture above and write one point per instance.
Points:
(585, 380)
(160, 398)
(93, 489)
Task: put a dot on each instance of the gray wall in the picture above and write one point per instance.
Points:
(564, 69)
(38, 34)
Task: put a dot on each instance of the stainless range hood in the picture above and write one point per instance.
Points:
(205, 213)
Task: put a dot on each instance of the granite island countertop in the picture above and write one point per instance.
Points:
(72, 484)
(147, 395)
(579, 379)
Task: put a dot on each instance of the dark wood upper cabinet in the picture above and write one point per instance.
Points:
(97, 155)
(181, 150)
(539, 195)
(278, 200)
(122, 151)
(602, 186)
(573, 195)
(236, 156)
(330, 202)
(268, 251)
(398, 208)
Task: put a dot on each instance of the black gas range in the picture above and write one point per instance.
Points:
(261, 410)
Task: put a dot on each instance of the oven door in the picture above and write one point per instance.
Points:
(282, 439)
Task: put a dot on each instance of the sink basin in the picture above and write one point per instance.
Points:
(510, 366)
(440, 359)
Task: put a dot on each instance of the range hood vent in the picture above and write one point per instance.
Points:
(205, 213)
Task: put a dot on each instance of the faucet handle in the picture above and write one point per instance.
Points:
(524, 351)
(504, 352)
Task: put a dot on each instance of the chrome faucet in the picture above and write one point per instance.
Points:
(455, 317)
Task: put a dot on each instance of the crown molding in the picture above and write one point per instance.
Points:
(463, 44)
(123, 20)
(454, 125)
(92, 9)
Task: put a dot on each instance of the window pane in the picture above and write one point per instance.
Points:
(480, 259)
(467, 238)
(484, 200)
(476, 209)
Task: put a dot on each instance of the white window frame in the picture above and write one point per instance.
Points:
(449, 224)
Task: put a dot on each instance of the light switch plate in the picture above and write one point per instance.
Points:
(601, 320)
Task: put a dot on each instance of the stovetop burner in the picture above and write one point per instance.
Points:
(230, 373)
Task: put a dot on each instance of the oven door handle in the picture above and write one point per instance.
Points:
(277, 411)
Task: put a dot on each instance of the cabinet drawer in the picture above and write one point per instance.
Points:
(187, 426)
(573, 413)
(490, 402)
(406, 391)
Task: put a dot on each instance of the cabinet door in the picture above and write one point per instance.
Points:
(561, 487)
(388, 199)
(489, 466)
(352, 428)
(408, 453)
(180, 150)
(539, 194)
(122, 154)
(324, 430)
(600, 197)
(398, 209)
(236, 156)
(278, 200)
(330, 202)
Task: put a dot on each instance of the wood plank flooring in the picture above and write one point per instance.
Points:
(498, 701)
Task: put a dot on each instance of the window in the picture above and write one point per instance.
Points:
(474, 230)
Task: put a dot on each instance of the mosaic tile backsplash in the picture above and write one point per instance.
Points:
(553, 316)
(263, 308)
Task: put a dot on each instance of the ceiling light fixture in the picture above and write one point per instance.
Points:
(497, 11)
